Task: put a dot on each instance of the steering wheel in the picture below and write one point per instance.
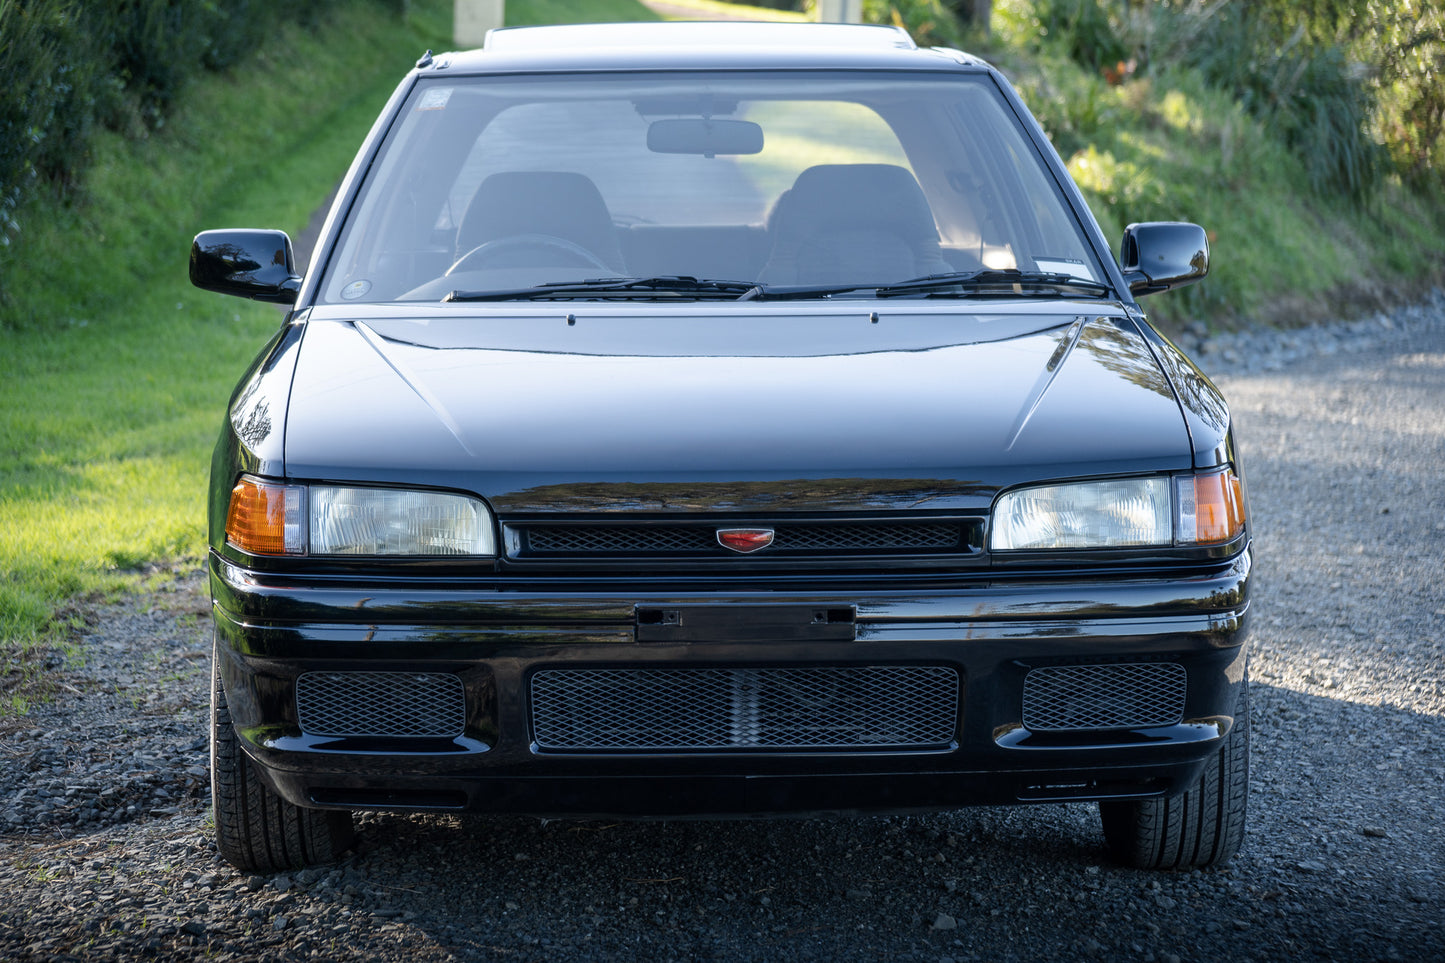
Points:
(520, 242)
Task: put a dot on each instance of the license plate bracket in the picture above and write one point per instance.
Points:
(747, 623)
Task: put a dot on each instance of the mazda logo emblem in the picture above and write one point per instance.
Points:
(745, 540)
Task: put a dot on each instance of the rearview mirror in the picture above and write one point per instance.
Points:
(250, 264)
(1159, 255)
(697, 135)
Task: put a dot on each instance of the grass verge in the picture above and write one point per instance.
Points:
(716, 9)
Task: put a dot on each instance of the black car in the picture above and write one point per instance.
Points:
(721, 420)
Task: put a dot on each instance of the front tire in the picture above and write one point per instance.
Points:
(1201, 828)
(256, 830)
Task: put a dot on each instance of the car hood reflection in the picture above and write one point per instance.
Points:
(505, 405)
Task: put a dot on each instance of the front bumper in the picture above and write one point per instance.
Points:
(272, 629)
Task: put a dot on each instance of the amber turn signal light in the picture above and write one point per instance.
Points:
(1218, 508)
(265, 518)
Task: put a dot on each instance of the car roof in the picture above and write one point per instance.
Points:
(694, 33)
(698, 44)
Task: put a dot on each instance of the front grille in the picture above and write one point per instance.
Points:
(861, 708)
(699, 540)
(380, 704)
(620, 540)
(1124, 695)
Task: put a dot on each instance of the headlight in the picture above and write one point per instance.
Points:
(1120, 513)
(269, 518)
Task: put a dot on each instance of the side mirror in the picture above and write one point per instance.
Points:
(249, 264)
(1159, 255)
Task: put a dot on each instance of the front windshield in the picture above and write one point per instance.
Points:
(772, 178)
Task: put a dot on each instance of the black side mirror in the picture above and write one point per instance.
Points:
(1159, 255)
(249, 264)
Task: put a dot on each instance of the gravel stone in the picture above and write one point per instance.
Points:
(105, 840)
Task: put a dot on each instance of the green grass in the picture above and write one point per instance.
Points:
(600, 11)
(116, 370)
(706, 9)
(532, 12)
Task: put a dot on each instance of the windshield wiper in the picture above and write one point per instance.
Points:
(1011, 282)
(962, 283)
(665, 287)
(682, 286)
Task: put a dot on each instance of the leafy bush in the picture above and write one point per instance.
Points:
(1084, 29)
(931, 23)
(1284, 62)
(51, 84)
(67, 66)
(155, 45)
(1408, 48)
(1306, 89)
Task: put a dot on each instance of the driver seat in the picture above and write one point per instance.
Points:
(554, 203)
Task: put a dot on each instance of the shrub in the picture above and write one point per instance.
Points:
(1283, 62)
(931, 23)
(1307, 90)
(52, 81)
(68, 65)
(1085, 30)
(1409, 47)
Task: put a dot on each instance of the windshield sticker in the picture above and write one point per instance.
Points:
(355, 290)
(1064, 265)
(435, 99)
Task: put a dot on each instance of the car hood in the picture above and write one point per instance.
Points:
(728, 408)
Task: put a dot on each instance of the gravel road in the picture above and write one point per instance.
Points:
(105, 848)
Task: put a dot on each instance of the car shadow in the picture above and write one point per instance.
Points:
(1313, 880)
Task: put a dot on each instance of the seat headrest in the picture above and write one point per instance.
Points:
(882, 196)
(560, 203)
(841, 223)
